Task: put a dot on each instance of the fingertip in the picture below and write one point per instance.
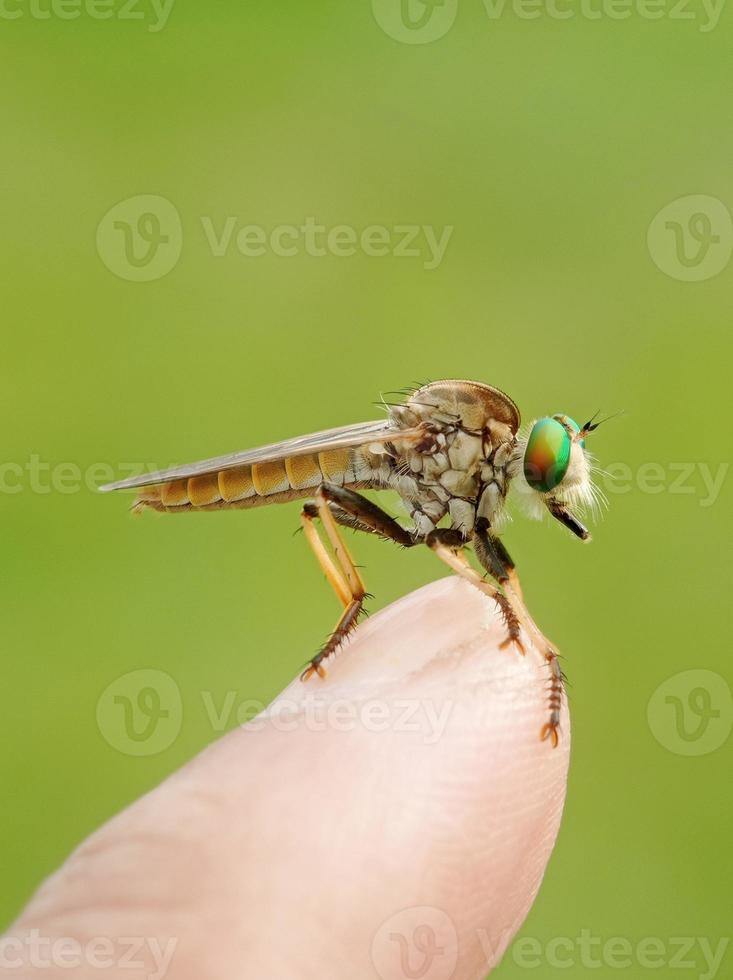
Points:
(409, 789)
(446, 633)
(468, 792)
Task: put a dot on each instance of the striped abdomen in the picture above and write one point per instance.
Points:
(250, 486)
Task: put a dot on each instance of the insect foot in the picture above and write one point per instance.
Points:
(314, 667)
(552, 731)
(512, 624)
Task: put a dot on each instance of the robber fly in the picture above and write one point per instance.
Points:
(451, 450)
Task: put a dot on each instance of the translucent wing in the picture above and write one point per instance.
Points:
(345, 437)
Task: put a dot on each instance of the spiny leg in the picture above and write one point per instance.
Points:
(342, 518)
(346, 623)
(494, 557)
(556, 690)
(336, 505)
(492, 554)
(361, 514)
(342, 574)
(447, 544)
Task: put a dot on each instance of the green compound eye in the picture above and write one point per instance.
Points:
(547, 456)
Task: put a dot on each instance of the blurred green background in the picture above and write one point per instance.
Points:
(548, 145)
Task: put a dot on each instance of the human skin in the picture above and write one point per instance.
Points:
(391, 821)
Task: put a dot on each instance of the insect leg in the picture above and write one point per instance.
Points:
(448, 545)
(342, 575)
(341, 552)
(333, 575)
(494, 557)
(492, 554)
(342, 518)
(355, 511)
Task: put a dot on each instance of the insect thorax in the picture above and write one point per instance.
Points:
(454, 471)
